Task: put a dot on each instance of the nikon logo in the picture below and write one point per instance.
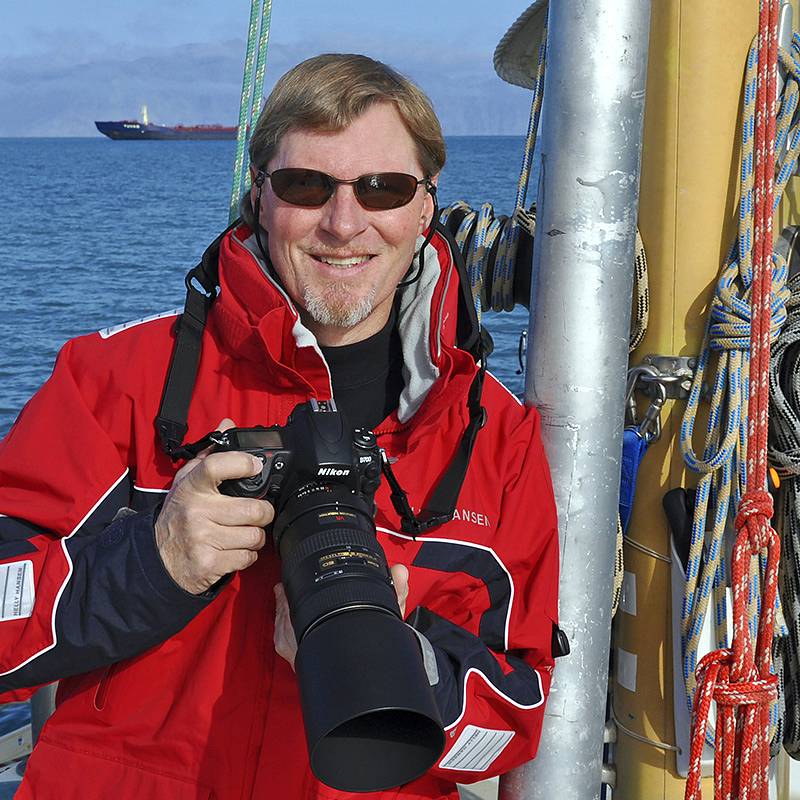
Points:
(332, 472)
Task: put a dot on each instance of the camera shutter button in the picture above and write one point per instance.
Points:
(364, 438)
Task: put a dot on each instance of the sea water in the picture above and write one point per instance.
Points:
(96, 232)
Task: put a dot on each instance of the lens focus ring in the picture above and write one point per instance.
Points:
(333, 570)
(317, 542)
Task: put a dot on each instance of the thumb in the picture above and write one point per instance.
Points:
(400, 580)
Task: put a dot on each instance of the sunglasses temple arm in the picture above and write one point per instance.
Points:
(259, 182)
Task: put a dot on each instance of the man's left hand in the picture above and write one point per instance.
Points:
(285, 641)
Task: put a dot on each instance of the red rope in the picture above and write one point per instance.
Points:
(739, 680)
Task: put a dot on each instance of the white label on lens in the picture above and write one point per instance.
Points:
(16, 583)
(476, 749)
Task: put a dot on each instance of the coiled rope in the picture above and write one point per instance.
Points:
(255, 61)
(785, 455)
(739, 676)
(722, 465)
(490, 243)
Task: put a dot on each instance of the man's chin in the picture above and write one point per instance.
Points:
(337, 312)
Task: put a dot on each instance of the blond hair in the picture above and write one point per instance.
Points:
(328, 92)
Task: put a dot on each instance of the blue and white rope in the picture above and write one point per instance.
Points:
(722, 465)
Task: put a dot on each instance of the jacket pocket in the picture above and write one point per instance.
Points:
(101, 692)
(70, 773)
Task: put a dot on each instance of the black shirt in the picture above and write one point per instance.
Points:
(367, 376)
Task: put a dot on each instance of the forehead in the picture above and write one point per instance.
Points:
(376, 141)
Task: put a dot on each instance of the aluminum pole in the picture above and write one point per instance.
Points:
(578, 353)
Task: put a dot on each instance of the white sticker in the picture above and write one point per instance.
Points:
(476, 749)
(16, 582)
(115, 329)
(626, 669)
(628, 599)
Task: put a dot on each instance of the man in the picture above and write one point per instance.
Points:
(152, 595)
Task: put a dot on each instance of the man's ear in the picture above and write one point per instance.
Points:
(428, 205)
(253, 187)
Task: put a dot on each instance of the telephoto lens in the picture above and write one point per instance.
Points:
(370, 715)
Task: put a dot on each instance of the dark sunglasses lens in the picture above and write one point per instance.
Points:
(302, 187)
(386, 190)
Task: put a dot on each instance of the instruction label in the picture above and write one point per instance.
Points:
(476, 749)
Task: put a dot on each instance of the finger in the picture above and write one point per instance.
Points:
(234, 560)
(280, 597)
(224, 425)
(400, 580)
(400, 577)
(236, 511)
(245, 537)
(218, 467)
(284, 636)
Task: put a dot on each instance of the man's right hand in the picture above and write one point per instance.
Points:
(203, 535)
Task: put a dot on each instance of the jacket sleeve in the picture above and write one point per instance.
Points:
(492, 685)
(83, 585)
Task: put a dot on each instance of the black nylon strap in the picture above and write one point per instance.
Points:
(442, 504)
(171, 422)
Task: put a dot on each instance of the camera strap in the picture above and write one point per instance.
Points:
(442, 504)
(202, 284)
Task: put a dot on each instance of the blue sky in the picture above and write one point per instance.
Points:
(65, 64)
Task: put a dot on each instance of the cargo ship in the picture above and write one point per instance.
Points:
(133, 129)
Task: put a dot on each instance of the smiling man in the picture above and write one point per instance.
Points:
(342, 261)
(152, 594)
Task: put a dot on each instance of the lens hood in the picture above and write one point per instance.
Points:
(369, 711)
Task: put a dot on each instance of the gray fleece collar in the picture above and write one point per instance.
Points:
(413, 323)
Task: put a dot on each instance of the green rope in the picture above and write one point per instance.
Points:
(258, 89)
(246, 101)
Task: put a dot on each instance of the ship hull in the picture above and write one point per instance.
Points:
(136, 131)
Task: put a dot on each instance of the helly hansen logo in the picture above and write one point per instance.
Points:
(475, 517)
(332, 472)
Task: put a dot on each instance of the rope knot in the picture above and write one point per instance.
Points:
(754, 504)
(759, 692)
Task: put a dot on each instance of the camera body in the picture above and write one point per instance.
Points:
(313, 447)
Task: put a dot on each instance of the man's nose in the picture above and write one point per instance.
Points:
(343, 217)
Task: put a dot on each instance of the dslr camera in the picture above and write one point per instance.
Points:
(369, 712)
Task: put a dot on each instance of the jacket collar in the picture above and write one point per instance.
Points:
(258, 321)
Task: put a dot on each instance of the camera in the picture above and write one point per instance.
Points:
(370, 716)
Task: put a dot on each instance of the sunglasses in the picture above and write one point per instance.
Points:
(311, 188)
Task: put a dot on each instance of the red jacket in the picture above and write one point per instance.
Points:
(169, 695)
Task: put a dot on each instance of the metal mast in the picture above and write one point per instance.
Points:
(578, 353)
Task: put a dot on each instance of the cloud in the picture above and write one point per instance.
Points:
(62, 91)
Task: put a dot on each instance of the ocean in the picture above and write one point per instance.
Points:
(96, 232)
